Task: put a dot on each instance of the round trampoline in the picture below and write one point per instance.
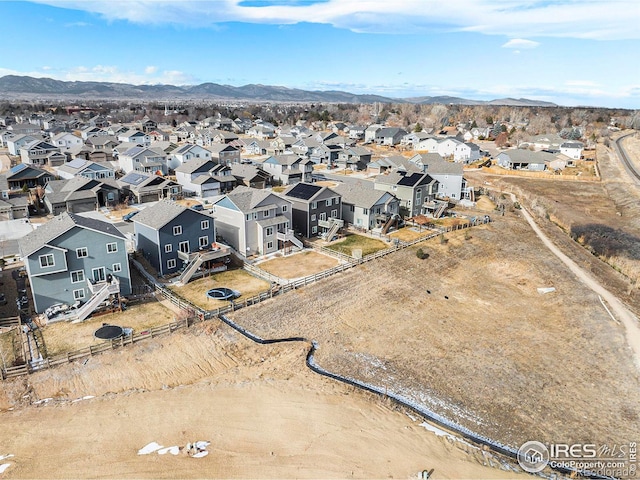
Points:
(108, 332)
(222, 293)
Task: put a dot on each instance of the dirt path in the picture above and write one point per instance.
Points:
(628, 319)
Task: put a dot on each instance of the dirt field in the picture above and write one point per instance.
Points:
(265, 415)
(298, 265)
(475, 340)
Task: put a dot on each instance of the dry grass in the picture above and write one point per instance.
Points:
(62, 337)
(326, 183)
(353, 242)
(408, 234)
(299, 265)
(236, 279)
(461, 331)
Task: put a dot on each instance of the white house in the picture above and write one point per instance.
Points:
(572, 149)
(66, 141)
(466, 152)
(187, 152)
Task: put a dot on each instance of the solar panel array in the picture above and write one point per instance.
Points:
(134, 178)
(304, 191)
(18, 168)
(77, 163)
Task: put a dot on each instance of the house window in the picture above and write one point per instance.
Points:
(47, 260)
(352, 208)
(285, 208)
(265, 214)
(313, 217)
(203, 241)
(77, 276)
(171, 263)
(116, 267)
(177, 230)
(365, 211)
(336, 200)
(328, 202)
(323, 216)
(82, 252)
(204, 225)
(168, 248)
(112, 247)
(269, 245)
(269, 231)
(334, 213)
(184, 246)
(78, 294)
(314, 205)
(314, 229)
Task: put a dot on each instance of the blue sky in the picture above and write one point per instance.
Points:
(571, 52)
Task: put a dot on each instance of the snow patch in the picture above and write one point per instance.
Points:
(149, 448)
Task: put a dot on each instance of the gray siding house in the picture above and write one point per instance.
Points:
(254, 222)
(518, 159)
(165, 229)
(366, 207)
(316, 209)
(69, 255)
(412, 189)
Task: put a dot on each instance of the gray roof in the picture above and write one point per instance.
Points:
(361, 194)
(247, 198)
(60, 224)
(197, 164)
(159, 214)
(4, 183)
(518, 155)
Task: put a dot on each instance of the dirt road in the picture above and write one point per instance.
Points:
(621, 312)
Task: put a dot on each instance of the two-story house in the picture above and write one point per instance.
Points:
(224, 154)
(80, 194)
(288, 169)
(73, 259)
(185, 153)
(168, 234)
(42, 153)
(143, 159)
(317, 210)
(143, 187)
(411, 188)
(86, 168)
(254, 222)
(365, 207)
(205, 178)
(450, 175)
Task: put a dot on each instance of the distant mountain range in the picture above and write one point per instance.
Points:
(23, 87)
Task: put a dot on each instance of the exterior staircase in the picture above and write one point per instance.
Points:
(333, 225)
(196, 259)
(289, 236)
(440, 210)
(100, 292)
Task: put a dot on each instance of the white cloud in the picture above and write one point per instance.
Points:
(109, 73)
(150, 70)
(520, 43)
(598, 19)
(77, 24)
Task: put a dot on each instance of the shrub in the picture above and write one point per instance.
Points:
(421, 254)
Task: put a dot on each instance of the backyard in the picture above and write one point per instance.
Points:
(298, 265)
(62, 337)
(355, 242)
(236, 279)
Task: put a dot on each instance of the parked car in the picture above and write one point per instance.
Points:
(197, 207)
(130, 215)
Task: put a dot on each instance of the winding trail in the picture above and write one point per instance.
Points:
(628, 319)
